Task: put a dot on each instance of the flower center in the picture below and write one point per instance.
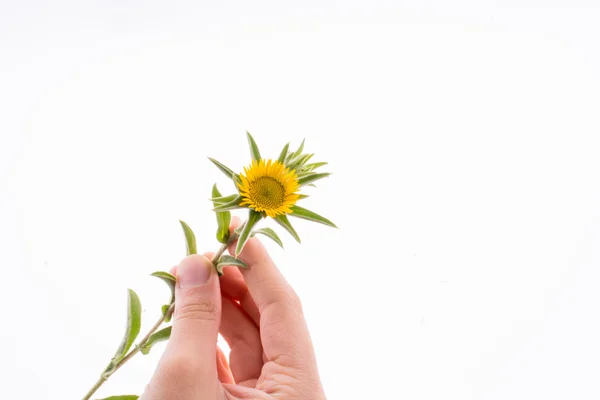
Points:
(267, 193)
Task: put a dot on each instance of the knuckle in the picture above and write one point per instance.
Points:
(285, 298)
(199, 310)
(293, 301)
(180, 369)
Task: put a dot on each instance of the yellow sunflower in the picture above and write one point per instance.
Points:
(269, 186)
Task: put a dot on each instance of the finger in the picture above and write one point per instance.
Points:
(173, 270)
(234, 287)
(283, 330)
(235, 223)
(243, 338)
(238, 327)
(195, 324)
(223, 370)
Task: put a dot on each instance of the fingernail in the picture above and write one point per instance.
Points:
(193, 271)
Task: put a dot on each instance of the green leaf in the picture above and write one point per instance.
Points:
(302, 196)
(270, 233)
(306, 158)
(226, 260)
(168, 279)
(285, 224)
(305, 180)
(134, 323)
(157, 337)
(304, 174)
(313, 166)
(223, 199)
(223, 219)
(283, 154)
(132, 329)
(254, 152)
(299, 161)
(232, 205)
(300, 212)
(253, 219)
(190, 238)
(300, 148)
(165, 309)
(236, 180)
(226, 170)
(123, 397)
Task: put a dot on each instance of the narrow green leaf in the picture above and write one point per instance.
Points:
(165, 309)
(132, 329)
(288, 158)
(300, 148)
(300, 212)
(283, 153)
(285, 224)
(304, 174)
(215, 191)
(134, 323)
(223, 199)
(299, 161)
(168, 279)
(226, 170)
(253, 219)
(223, 219)
(232, 205)
(254, 152)
(157, 337)
(236, 180)
(302, 196)
(305, 158)
(226, 260)
(190, 238)
(270, 233)
(123, 397)
(305, 180)
(313, 166)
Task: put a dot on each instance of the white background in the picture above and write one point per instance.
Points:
(463, 137)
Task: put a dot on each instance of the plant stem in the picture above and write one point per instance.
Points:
(143, 342)
(94, 388)
(233, 237)
(104, 377)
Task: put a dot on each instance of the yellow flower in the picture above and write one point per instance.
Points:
(269, 186)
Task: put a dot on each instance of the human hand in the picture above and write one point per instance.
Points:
(258, 314)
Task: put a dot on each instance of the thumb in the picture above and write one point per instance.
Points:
(196, 319)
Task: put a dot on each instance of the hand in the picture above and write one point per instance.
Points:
(258, 314)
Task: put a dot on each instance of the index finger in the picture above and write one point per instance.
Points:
(283, 329)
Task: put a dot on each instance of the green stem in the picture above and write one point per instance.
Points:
(157, 325)
(232, 238)
(94, 388)
(104, 377)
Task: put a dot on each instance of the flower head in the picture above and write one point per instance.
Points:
(269, 186)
